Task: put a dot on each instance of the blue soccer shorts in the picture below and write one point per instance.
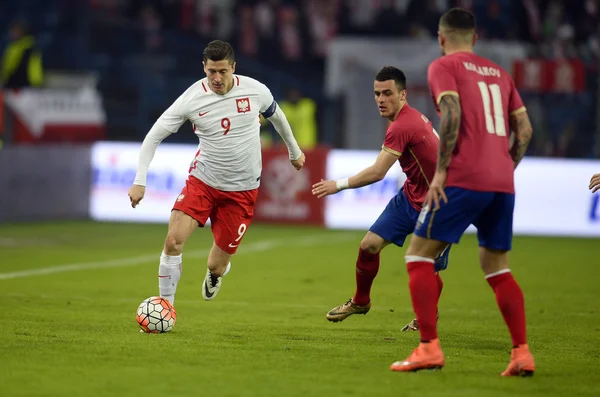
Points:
(397, 221)
(491, 213)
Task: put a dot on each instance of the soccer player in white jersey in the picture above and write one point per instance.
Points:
(224, 176)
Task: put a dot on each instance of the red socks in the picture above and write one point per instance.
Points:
(367, 266)
(511, 303)
(424, 291)
(440, 284)
(426, 287)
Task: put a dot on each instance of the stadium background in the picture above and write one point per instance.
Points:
(110, 67)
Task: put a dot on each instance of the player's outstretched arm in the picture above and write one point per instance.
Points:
(595, 183)
(154, 137)
(521, 126)
(369, 175)
(283, 128)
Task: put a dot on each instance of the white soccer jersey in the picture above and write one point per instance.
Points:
(228, 128)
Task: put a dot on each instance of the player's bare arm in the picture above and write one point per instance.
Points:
(595, 183)
(369, 175)
(521, 126)
(450, 112)
(449, 123)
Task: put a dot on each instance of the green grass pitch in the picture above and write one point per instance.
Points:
(71, 331)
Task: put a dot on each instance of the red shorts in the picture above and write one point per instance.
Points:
(230, 213)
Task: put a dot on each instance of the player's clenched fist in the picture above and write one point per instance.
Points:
(299, 162)
(595, 183)
(136, 194)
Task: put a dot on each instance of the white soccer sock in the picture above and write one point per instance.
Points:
(169, 273)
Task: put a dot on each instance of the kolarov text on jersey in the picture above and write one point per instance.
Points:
(228, 128)
(412, 137)
(481, 160)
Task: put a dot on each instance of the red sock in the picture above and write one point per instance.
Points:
(512, 305)
(424, 293)
(367, 266)
(440, 284)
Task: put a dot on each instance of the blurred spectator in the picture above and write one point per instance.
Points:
(22, 61)
(291, 43)
(287, 42)
(558, 32)
(301, 113)
(424, 16)
(493, 24)
(323, 24)
(390, 21)
(248, 43)
(152, 27)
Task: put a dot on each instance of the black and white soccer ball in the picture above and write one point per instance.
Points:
(156, 315)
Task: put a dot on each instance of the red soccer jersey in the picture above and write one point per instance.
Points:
(411, 136)
(481, 160)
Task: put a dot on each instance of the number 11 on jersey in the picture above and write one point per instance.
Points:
(494, 122)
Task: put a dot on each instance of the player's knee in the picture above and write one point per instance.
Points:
(173, 245)
(424, 247)
(372, 244)
(493, 261)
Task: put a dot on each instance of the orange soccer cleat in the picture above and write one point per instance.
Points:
(521, 362)
(426, 356)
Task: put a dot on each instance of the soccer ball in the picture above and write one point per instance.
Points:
(156, 315)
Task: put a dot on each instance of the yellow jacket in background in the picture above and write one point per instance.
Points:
(22, 64)
(302, 119)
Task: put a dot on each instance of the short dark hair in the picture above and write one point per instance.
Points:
(392, 73)
(218, 50)
(459, 19)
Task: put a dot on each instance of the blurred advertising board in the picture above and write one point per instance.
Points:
(358, 208)
(44, 182)
(114, 165)
(552, 195)
(553, 198)
(285, 194)
(56, 115)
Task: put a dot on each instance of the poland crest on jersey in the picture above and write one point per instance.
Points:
(243, 105)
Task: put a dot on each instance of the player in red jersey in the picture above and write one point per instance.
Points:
(412, 141)
(473, 184)
(595, 183)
